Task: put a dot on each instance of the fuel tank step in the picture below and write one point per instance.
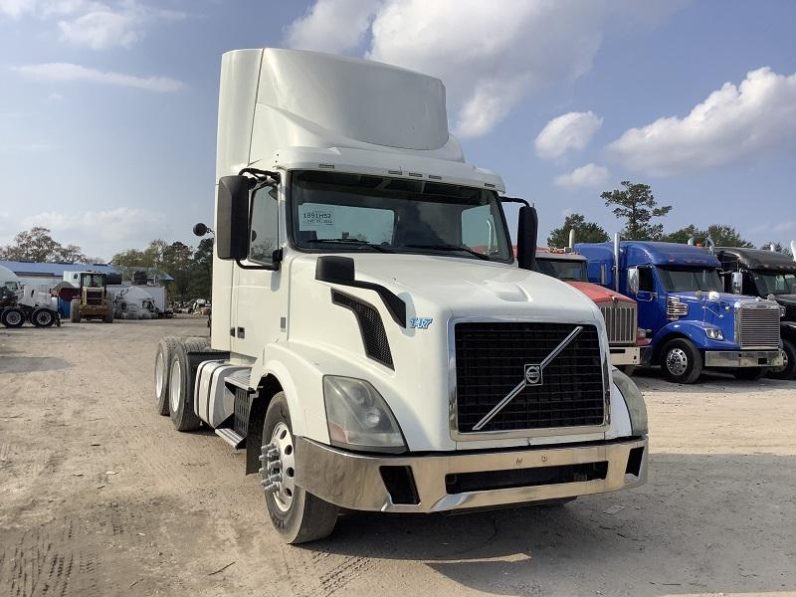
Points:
(234, 439)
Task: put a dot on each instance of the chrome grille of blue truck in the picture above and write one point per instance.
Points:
(758, 326)
(492, 359)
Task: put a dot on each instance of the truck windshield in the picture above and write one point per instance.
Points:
(690, 280)
(563, 269)
(772, 283)
(351, 212)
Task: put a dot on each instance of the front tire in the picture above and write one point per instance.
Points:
(13, 317)
(298, 516)
(681, 361)
(788, 369)
(108, 314)
(74, 311)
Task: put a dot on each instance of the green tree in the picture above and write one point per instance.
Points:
(176, 260)
(722, 235)
(585, 232)
(38, 245)
(636, 205)
(202, 269)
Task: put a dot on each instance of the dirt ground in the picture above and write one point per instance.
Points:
(99, 495)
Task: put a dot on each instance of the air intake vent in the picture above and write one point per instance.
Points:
(377, 347)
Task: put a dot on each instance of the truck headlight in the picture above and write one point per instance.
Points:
(714, 333)
(634, 401)
(358, 417)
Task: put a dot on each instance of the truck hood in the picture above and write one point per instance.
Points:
(463, 287)
(598, 293)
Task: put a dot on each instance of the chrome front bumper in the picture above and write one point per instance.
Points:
(743, 358)
(356, 481)
(625, 355)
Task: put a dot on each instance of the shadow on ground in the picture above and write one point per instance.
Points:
(721, 523)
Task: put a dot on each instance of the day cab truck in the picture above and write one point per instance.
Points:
(692, 323)
(625, 339)
(770, 275)
(363, 353)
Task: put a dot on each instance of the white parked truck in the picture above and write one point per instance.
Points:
(374, 343)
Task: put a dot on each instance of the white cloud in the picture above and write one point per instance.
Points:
(94, 24)
(101, 231)
(732, 123)
(332, 25)
(64, 71)
(490, 57)
(102, 27)
(16, 8)
(588, 176)
(571, 131)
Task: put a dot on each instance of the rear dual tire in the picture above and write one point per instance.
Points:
(173, 387)
(42, 318)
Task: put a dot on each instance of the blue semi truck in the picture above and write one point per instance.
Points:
(693, 324)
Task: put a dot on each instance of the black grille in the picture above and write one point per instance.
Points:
(490, 363)
(528, 477)
(370, 326)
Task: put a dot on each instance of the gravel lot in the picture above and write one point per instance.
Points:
(99, 495)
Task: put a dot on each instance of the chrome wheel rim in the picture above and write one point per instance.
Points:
(784, 365)
(13, 318)
(677, 362)
(279, 470)
(175, 386)
(159, 374)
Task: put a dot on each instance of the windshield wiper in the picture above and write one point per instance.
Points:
(352, 241)
(449, 248)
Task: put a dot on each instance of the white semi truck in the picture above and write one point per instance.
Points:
(374, 344)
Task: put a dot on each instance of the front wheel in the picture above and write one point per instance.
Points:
(750, 373)
(13, 317)
(681, 362)
(788, 368)
(298, 516)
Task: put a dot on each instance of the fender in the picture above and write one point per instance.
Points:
(693, 331)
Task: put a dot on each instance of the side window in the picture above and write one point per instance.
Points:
(479, 230)
(645, 280)
(264, 239)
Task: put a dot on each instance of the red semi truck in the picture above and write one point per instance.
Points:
(626, 340)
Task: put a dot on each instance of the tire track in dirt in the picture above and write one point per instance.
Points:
(42, 563)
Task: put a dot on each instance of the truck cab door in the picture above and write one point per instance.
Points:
(648, 299)
(259, 294)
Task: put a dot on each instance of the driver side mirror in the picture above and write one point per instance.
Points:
(737, 282)
(232, 217)
(527, 230)
(632, 279)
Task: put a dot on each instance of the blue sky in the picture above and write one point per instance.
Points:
(108, 109)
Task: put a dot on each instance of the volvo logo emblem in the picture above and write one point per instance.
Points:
(533, 375)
